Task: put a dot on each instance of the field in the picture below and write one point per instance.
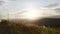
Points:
(10, 27)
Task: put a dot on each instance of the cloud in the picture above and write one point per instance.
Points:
(53, 6)
(13, 0)
(2, 2)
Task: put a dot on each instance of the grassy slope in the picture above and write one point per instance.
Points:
(19, 28)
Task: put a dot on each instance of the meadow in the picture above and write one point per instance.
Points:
(21, 28)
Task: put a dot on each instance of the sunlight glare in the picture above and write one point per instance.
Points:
(31, 14)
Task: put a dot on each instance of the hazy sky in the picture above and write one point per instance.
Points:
(15, 6)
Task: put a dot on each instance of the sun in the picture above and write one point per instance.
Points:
(31, 14)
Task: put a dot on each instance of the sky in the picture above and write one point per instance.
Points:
(16, 6)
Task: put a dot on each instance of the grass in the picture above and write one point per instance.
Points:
(19, 28)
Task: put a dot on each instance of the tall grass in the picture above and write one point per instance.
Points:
(20, 28)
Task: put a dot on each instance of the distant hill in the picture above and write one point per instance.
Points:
(53, 22)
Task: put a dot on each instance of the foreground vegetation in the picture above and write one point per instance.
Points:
(20, 28)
